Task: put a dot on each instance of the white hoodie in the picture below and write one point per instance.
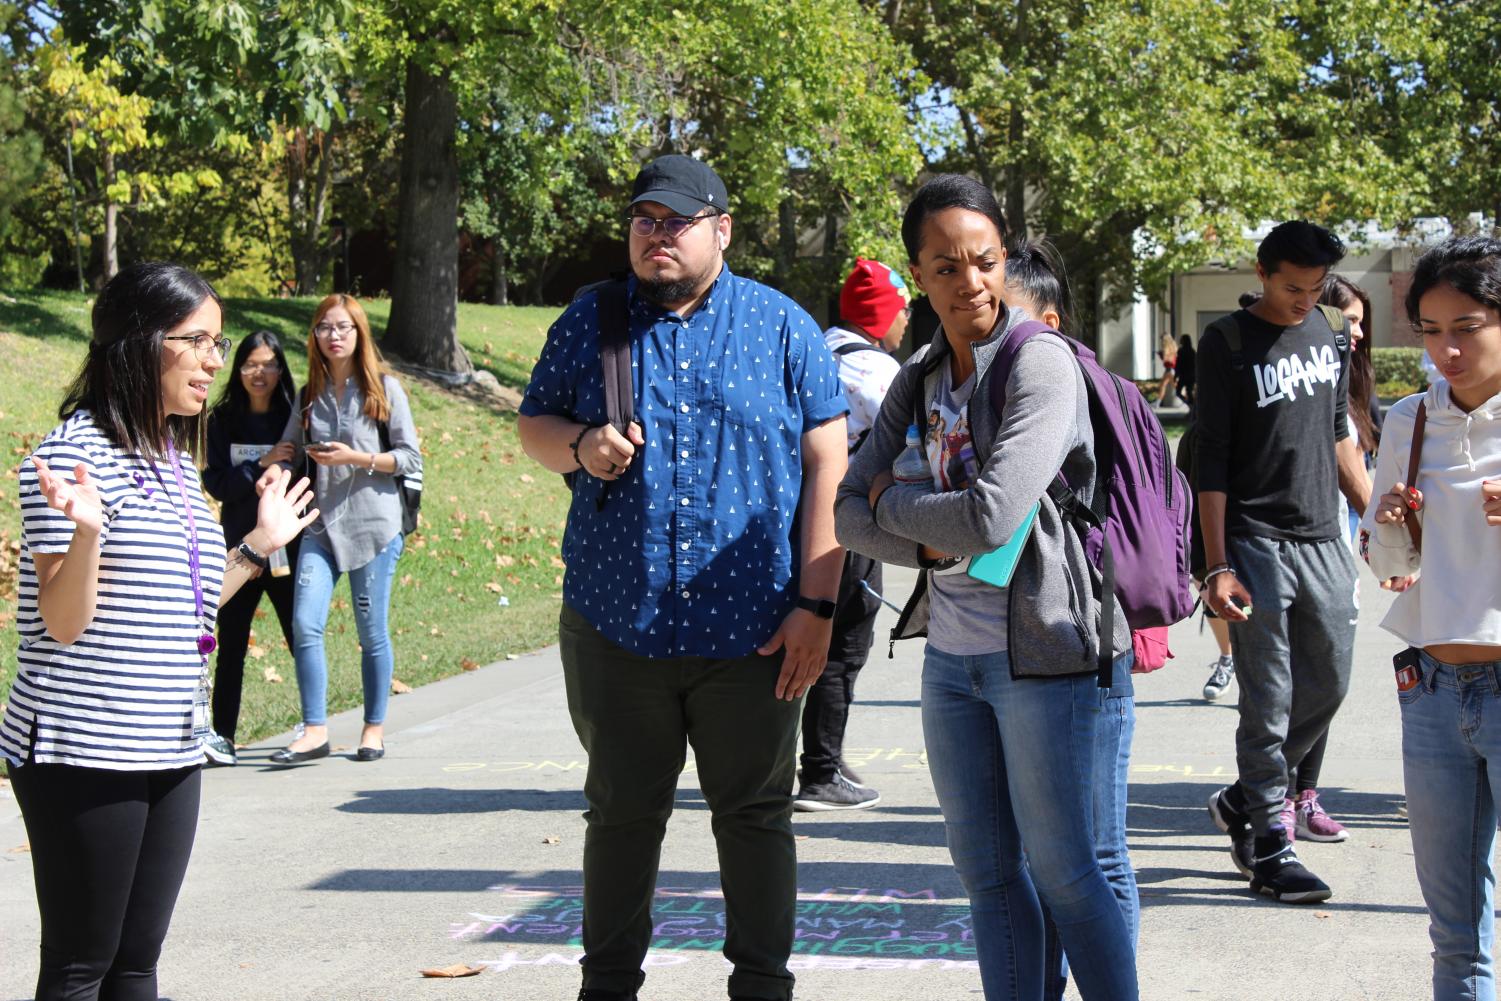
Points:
(1457, 598)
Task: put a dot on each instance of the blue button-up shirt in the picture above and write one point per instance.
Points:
(695, 551)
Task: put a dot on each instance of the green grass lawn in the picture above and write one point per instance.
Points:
(492, 521)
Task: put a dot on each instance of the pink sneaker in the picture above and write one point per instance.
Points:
(1313, 823)
(1287, 818)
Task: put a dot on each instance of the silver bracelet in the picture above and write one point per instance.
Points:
(1217, 570)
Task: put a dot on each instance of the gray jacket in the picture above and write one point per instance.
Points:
(1053, 614)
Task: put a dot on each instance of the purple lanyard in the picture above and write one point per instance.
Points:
(206, 641)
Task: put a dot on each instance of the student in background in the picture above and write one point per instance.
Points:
(244, 440)
(873, 319)
(1037, 284)
(336, 422)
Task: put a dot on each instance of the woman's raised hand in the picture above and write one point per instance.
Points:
(78, 500)
(277, 518)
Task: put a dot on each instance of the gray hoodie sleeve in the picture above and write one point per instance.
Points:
(854, 524)
(1038, 429)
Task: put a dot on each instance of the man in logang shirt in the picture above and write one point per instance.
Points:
(1274, 453)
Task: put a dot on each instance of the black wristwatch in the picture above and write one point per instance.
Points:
(254, 557)
(822, 609)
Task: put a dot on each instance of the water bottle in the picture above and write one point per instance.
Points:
(912, 465)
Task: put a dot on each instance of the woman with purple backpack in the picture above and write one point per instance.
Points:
(1011, 697)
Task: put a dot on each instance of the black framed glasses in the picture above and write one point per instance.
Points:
(674, 225)
(204, 343)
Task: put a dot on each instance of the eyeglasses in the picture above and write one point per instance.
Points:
(344, 328)
(674, 225)
(204, 343)
(270, 368)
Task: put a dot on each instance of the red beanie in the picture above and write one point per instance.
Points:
(872, 296)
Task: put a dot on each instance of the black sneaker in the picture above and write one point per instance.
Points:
(1236, 823)
(595, 994)
(1280, 875)
(839, 793)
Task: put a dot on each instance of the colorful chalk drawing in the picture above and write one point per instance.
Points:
(835, 928)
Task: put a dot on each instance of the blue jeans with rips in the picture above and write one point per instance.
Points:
(1013, 764)
(370, 589)
(1451, 765)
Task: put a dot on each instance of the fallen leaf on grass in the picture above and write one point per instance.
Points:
(456, 970)
(399, 687)
(494, 587)
(469, 664)
(255, 652)
(269, 673)
(552, 839)
(527, 478)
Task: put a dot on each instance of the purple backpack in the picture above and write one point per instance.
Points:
(1138, 531)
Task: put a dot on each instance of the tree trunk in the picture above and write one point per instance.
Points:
(111, 221)
(307, 205)
(500, 279)
(425, 290)
(73, 204)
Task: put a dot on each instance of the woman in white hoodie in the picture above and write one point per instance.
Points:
(1449, 611)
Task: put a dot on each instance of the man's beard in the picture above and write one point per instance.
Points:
(668, 292)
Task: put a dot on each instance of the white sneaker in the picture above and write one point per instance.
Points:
(218, 750)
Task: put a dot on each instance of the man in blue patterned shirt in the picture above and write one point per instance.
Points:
(702, 568)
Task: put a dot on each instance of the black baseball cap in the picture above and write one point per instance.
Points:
(683, 184)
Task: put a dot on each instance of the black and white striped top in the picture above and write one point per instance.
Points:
(121, 697)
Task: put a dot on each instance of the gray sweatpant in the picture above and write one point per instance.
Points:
(1292, 659)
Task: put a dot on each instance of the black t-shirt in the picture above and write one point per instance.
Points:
(1266, 433)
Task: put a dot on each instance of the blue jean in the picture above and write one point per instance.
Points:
(1451, 765)
(1013, 764)
(1112, 763)
(370, 589)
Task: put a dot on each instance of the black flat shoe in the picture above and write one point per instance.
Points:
(287, 756)
(369, 754)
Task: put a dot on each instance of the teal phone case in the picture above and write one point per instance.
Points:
(997, 566)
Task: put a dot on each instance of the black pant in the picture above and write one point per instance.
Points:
(108, 853)
(235, 620)
(1312, 763)
(636, 717)
(826, 712)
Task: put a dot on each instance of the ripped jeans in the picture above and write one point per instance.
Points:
(370, 589)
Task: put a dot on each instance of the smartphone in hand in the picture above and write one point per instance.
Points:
(319, 446)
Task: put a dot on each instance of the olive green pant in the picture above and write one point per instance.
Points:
(636, 717)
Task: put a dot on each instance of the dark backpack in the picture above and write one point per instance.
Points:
(1137, 532)
(615, 360)
(1187, 458)
(408, 486)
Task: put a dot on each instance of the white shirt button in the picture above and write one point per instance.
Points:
(683, 546)
(685, 594)
(684, 453)
(683, 365)
(684, 502)
(684, 408)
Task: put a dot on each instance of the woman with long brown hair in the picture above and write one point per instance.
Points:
(353, 421)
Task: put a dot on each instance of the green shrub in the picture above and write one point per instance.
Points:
(1398, 371)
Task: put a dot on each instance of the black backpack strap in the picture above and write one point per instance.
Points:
(853, 346)
(1229, 328)
(615, 360)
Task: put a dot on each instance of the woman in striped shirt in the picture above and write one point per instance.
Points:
(123, 568)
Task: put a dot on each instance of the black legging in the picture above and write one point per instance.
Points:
(826, 712)
(1312, 763)
(235, 619)
(108, 853)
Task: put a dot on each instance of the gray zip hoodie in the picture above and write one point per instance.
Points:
(1052, 614)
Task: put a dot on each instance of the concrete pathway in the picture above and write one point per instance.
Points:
(340, 880)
